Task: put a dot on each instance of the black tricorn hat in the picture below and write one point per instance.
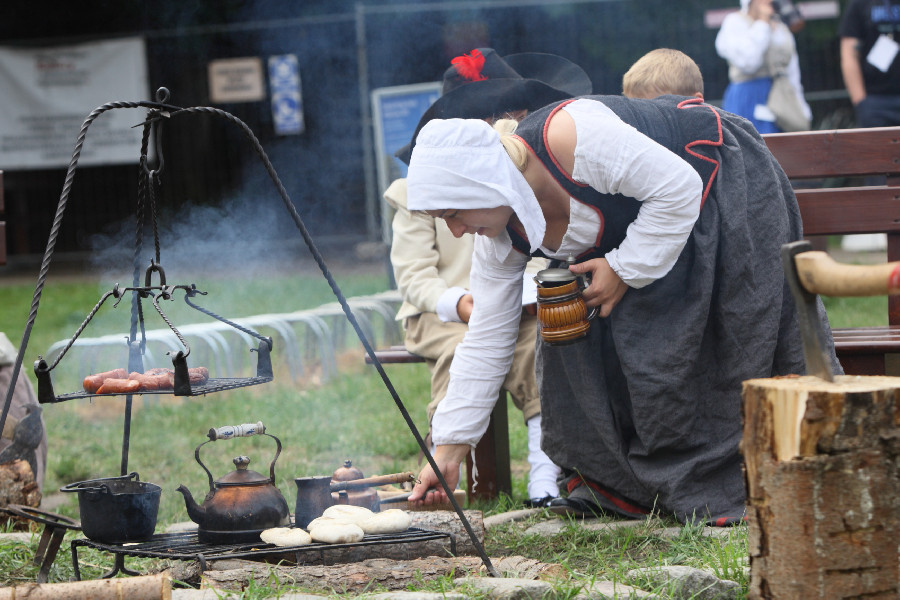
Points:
(481, 84)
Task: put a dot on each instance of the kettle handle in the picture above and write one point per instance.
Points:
(232, 431)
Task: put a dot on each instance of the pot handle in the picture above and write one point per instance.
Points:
(82, 486)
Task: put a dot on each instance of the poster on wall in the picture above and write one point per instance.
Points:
(47, 93)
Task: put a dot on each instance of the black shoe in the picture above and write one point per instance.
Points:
(575, 507)
(539, 502)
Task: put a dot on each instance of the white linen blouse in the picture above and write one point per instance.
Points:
(612, 157)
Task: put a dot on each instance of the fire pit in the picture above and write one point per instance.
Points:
(187, 546)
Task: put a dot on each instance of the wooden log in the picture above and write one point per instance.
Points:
(822, 468)
(372, 573)
(449, 522)
(443, 521)
(17, 484)
(145, 587)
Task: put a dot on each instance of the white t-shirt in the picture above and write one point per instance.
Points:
(612, 157)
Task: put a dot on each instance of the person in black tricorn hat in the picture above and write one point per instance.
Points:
(482, 85)
(431, 266)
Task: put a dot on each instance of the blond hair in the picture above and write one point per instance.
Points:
(663, 71)
(512, 144)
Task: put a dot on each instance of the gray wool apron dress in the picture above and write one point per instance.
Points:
(646, 410)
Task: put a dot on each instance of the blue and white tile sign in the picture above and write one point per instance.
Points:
(287, 101)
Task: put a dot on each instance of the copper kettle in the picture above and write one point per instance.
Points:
(241, 504)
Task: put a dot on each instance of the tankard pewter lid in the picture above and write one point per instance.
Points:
(556, 275)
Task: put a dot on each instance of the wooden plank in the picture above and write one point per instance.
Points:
(837, 153)
(394, 356)
(839, 211)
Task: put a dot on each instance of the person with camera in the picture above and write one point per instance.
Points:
(759, 45)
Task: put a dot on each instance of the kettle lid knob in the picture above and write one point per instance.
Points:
(241, 462)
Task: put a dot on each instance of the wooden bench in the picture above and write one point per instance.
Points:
(851, 209)
(491, 453)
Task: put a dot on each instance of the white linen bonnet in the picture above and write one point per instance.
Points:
(461, 164)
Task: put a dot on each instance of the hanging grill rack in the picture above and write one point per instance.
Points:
(182, 385)
(158, 113)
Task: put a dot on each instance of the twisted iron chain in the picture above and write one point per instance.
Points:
(224, 320)
(172, 327)
(112, 292)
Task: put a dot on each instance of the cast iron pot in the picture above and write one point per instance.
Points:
(117, 509)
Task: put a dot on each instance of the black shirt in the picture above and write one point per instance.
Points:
(866, 20)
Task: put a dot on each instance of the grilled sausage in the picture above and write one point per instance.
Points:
(196, 376)
(92, 383)
(119, 386)
(152, 381)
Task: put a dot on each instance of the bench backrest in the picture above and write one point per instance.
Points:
(858, 208)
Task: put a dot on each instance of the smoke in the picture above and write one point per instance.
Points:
(241, 235)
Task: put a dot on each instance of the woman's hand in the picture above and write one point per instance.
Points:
(606, 288)
(428, 490)
(464, 307)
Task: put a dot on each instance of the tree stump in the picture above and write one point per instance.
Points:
(823, 493)
(17, 484)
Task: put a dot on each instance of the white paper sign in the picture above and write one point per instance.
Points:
(883, 53)
(236, 80)
(47, 93)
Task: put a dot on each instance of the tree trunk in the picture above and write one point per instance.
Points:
(147, 587)
(823, 493)
(368, 574)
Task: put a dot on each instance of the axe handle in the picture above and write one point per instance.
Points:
(820, 274)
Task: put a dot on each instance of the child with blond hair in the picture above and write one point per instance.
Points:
(663, 71)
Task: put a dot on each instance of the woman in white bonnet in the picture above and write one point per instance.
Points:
(758, 44)
(678, 211)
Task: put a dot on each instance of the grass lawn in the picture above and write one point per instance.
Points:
(319, 422)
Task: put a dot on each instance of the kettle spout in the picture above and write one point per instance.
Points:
(195, 512)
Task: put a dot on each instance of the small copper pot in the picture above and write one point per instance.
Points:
(366, 497)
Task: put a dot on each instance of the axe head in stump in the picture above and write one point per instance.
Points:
(818, 362)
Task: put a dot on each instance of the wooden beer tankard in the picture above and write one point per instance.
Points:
(563, 316)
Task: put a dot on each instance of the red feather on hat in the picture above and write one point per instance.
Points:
(469, 65)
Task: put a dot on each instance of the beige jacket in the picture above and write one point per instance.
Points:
(426, 258)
